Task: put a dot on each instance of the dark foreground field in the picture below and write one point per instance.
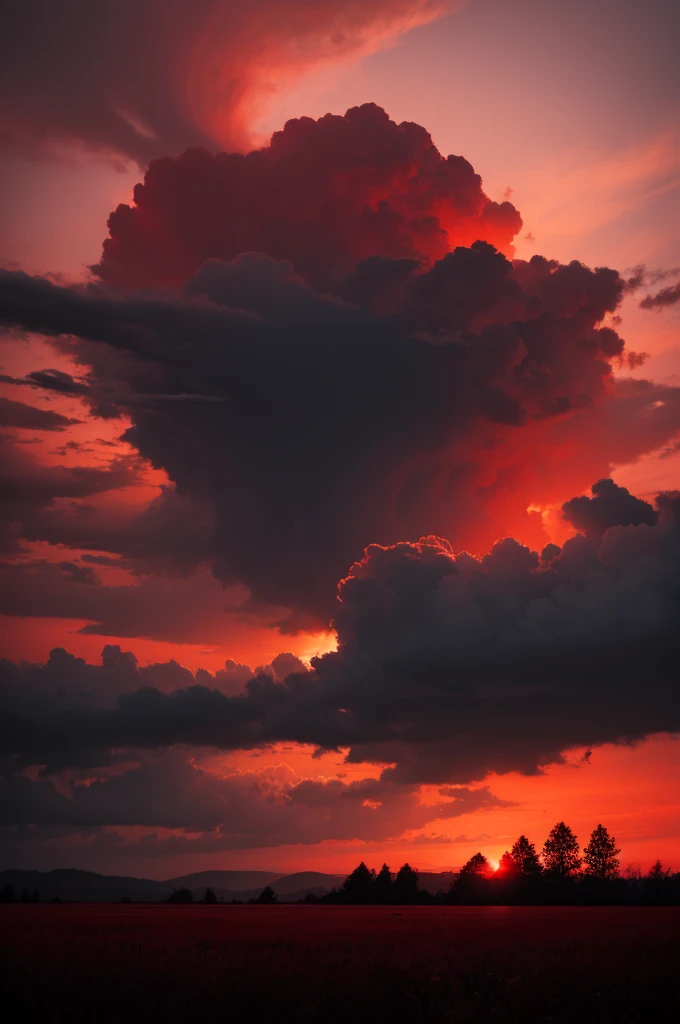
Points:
(331, 964)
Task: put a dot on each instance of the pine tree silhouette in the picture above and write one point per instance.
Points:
(525, 857)
(600, 855)
(383, 887)
(267, 896)
(477, 865)
(406, 885)
(358, 887)
(560, 852)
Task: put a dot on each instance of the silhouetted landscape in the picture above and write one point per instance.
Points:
(473, 945)
(559, 875)
(340, 512)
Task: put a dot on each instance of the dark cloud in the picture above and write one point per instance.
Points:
(666, 297)
(641, 275)
(77, 573)
(238, 810)
(193, 609)
(53, 380)
(446, 411)
(29, 488)
(143, 78)
(172, 535)
(448, 667)
(610, 506)
(323, 194)
(29, 417)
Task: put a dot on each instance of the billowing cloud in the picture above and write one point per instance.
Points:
(143, 78)
(441, 399)
(325, 346)
(323, 194)
(448, 667)
(609, 506)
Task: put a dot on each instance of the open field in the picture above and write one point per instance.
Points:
(332, 964)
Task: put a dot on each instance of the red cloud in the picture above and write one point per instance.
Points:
(323, 194)
(143, 78)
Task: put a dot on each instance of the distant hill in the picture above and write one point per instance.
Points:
(232, 880)
(70, 884)
(306, 881)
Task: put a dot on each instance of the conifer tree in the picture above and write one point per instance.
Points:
(507, 866)
(525, 857)
(477, 865)
(267, 896)
(658, 873)
(600, 855)
(383, 886)
(358, 887)
(560, 852)
(406, 885)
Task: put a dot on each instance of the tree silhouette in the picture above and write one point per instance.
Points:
(267, 896)
(383, 887)
(507, 866)
(658, 873)
(471, 885)
(8, 894)
(560, 852)
(210, 896)
(25, 896)
(181, 896)
(358, 887)
(406, 885)
(477, 865)
(600, 855)
(658, 885)
(525, 857)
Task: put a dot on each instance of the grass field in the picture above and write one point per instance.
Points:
(101, 962)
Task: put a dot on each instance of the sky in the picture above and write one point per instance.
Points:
(340, 512)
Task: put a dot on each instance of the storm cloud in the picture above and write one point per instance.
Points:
(354, 392)
(446, 404)
(448, 667)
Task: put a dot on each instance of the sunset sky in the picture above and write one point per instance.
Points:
(331, 354)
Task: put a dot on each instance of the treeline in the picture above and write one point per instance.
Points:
(186, 896)
(559, 875)
(9, 895)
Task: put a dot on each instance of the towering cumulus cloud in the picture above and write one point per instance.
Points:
(323, 194)
(144, 78)
(358, 382)
(328, 348)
